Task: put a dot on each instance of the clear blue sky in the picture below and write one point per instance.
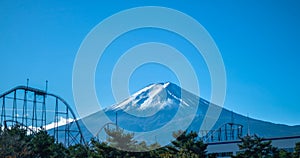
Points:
(259, 42)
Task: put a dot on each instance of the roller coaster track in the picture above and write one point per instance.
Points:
(37, 109)
(226, 132)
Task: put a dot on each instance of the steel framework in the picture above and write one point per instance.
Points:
(226, 132)
(36, 109)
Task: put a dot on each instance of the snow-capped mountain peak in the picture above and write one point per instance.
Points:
(149, 100)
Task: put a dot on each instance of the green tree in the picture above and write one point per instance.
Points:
(44, 146)
(17, 141)
(99, 150)
(297, 150)
(120, 144)
(255, 147)
(78, 151)
(283, 154)
(14, 142)
(58, 150)
(187, 145)
(120, 140)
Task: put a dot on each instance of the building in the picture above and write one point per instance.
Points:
(228, 148)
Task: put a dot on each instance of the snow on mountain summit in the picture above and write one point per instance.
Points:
(151, 99)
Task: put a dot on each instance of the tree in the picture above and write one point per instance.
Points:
(297, 150)
(14, 142)
(78, 151)
(120, 140)
(187, 145)
(255, 147)
(58, 150)
(120, 144)
(283, 154)
(43, 145)
(99, 150)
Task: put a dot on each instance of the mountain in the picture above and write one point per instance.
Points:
(154, 106)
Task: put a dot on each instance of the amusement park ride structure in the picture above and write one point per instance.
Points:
(34, 109)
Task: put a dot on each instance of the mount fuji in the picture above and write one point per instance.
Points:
(156, 105)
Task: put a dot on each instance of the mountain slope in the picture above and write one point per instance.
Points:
(156, 105)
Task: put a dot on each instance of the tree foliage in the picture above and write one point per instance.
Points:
(44, 146)
(120, 140)
(187, 145)
(17, 142)
(14, 142)
(256, 147)
(297, 150)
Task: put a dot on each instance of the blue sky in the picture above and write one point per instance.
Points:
(259, 42)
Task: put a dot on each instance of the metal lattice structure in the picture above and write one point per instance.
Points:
(35, 109)
(226, 132)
